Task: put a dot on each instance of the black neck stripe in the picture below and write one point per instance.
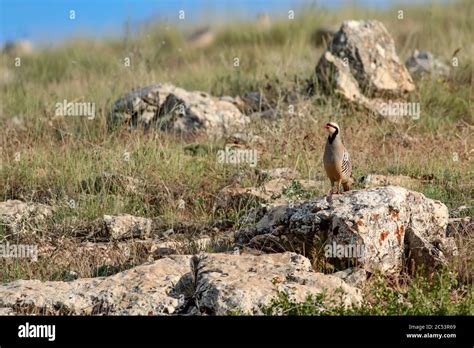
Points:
(333, 136)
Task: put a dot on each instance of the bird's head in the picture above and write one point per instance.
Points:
(332, 128)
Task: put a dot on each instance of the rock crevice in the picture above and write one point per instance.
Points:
(214, 284)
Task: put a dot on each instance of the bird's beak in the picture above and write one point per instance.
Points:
(326, 126)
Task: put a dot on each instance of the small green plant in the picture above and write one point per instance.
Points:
(282, 304)
(295, 190)
(441, 295)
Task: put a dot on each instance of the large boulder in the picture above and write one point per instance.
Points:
(137, 107)
(206, 284)
(361, 64)
(382, 228)
(171, 108)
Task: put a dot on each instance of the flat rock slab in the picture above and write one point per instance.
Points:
(140, 290)
(180, 284)
(388, 227)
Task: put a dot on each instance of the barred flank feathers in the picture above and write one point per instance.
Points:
(346, 164)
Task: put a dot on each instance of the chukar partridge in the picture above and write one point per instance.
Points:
(336, 160)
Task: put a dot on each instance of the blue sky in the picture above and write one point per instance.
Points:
(47, 21)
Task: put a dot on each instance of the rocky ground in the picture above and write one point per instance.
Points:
(184, 200)
(399, 230)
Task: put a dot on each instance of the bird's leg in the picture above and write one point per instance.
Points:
(338, 186)
(331, 191)
(346, 186)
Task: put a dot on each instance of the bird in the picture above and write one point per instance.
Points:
(336, 160)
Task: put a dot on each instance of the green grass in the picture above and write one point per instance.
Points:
(440, 296)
